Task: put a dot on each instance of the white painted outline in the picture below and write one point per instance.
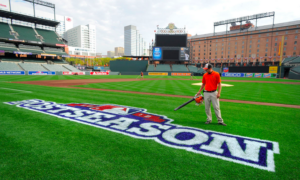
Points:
(17, 90)
(270, 153)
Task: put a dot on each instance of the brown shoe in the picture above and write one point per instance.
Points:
(207, 122)
(223, 124)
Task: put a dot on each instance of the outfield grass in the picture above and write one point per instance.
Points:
(259, 92)
(64, 77)
(39, 146)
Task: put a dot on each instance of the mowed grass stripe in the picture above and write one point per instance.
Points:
(39, 146)
(258, 92)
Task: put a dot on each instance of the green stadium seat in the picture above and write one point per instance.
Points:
(49, 36)
(8, 47)
(163, 67)
(5, 66)
(288, 59)
(32, 49)
(32, 67)
(25, 33)
(193, 68)
(4, 29)
(179, 68)
(217, 69)
(34, 61)
(71, 68)
(295, 61)
(296, 69)
(54, 67)
(151, 67)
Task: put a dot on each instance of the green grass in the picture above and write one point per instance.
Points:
(62, 77)
(38, 146)
(259, 92)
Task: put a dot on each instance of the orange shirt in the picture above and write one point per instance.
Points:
(142, 73)
(211, 81)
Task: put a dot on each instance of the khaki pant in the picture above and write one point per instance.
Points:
(212, 98)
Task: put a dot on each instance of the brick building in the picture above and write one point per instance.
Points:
(253, 46)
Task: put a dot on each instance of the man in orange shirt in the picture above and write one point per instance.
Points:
(210, 82)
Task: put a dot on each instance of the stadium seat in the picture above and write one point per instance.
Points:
(288, 59)
(4, 29)
(25, 33)
(8, 47)
(49, 36)
(57, 51)
(54, 67)
(193, 68)
(4, 66)
(163, 67)
(151, 67)
(295, 61)
(32, 67)
(34, 61)
(296, 69)
(217, 69)
(32, 49)
(179, 68)
(71, 68)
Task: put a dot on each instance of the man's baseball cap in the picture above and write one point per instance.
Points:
(207, 66)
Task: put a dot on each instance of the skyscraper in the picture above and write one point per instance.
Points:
(82, 36)
(133, 41)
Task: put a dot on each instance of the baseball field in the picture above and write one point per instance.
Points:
(121, 127)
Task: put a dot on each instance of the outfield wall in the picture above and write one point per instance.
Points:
(32, 73)
(128, 66)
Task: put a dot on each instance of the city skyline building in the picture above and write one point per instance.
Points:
(133, 41)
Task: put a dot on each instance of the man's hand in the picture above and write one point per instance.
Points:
(218, 95)
(198, 93)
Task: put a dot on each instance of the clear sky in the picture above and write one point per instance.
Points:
(110, 16)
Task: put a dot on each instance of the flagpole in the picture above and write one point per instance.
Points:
(281, 49)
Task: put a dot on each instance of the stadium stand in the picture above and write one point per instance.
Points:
(179, 68)
(57, 51)
(201, 71)
(151, 67)
(11, 59)
(71, 68)
(217, 69)
(4, 66)
(296, 69)
(193, 68)
(53, 67)
(34, 61)
(25, 33)
(295, 61)
(49, 36)
(32, 67)
(32, 49)
(58, 61)
(286, 60)
(5, 29)
(163, 67)
(7, 47)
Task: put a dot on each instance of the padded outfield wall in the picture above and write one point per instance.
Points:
(125, 67)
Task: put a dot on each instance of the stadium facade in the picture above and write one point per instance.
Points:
(249, 46)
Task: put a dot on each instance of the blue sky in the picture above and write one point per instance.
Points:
(110, 16)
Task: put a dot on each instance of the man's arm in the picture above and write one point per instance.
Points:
(219, 90)
(202, 87)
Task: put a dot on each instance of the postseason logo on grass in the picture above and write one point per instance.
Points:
(138, 123)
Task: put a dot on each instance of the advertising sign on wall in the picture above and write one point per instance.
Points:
(258, 75)
(99, 73)
(73, 73)
(157, 53)
(225, 69)
(181, 74)
(12, 72)
(273, 69)
(233, 74)
(41, 72)
(249, 75)
(158, 74)
(51, 55)
(2, 53)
